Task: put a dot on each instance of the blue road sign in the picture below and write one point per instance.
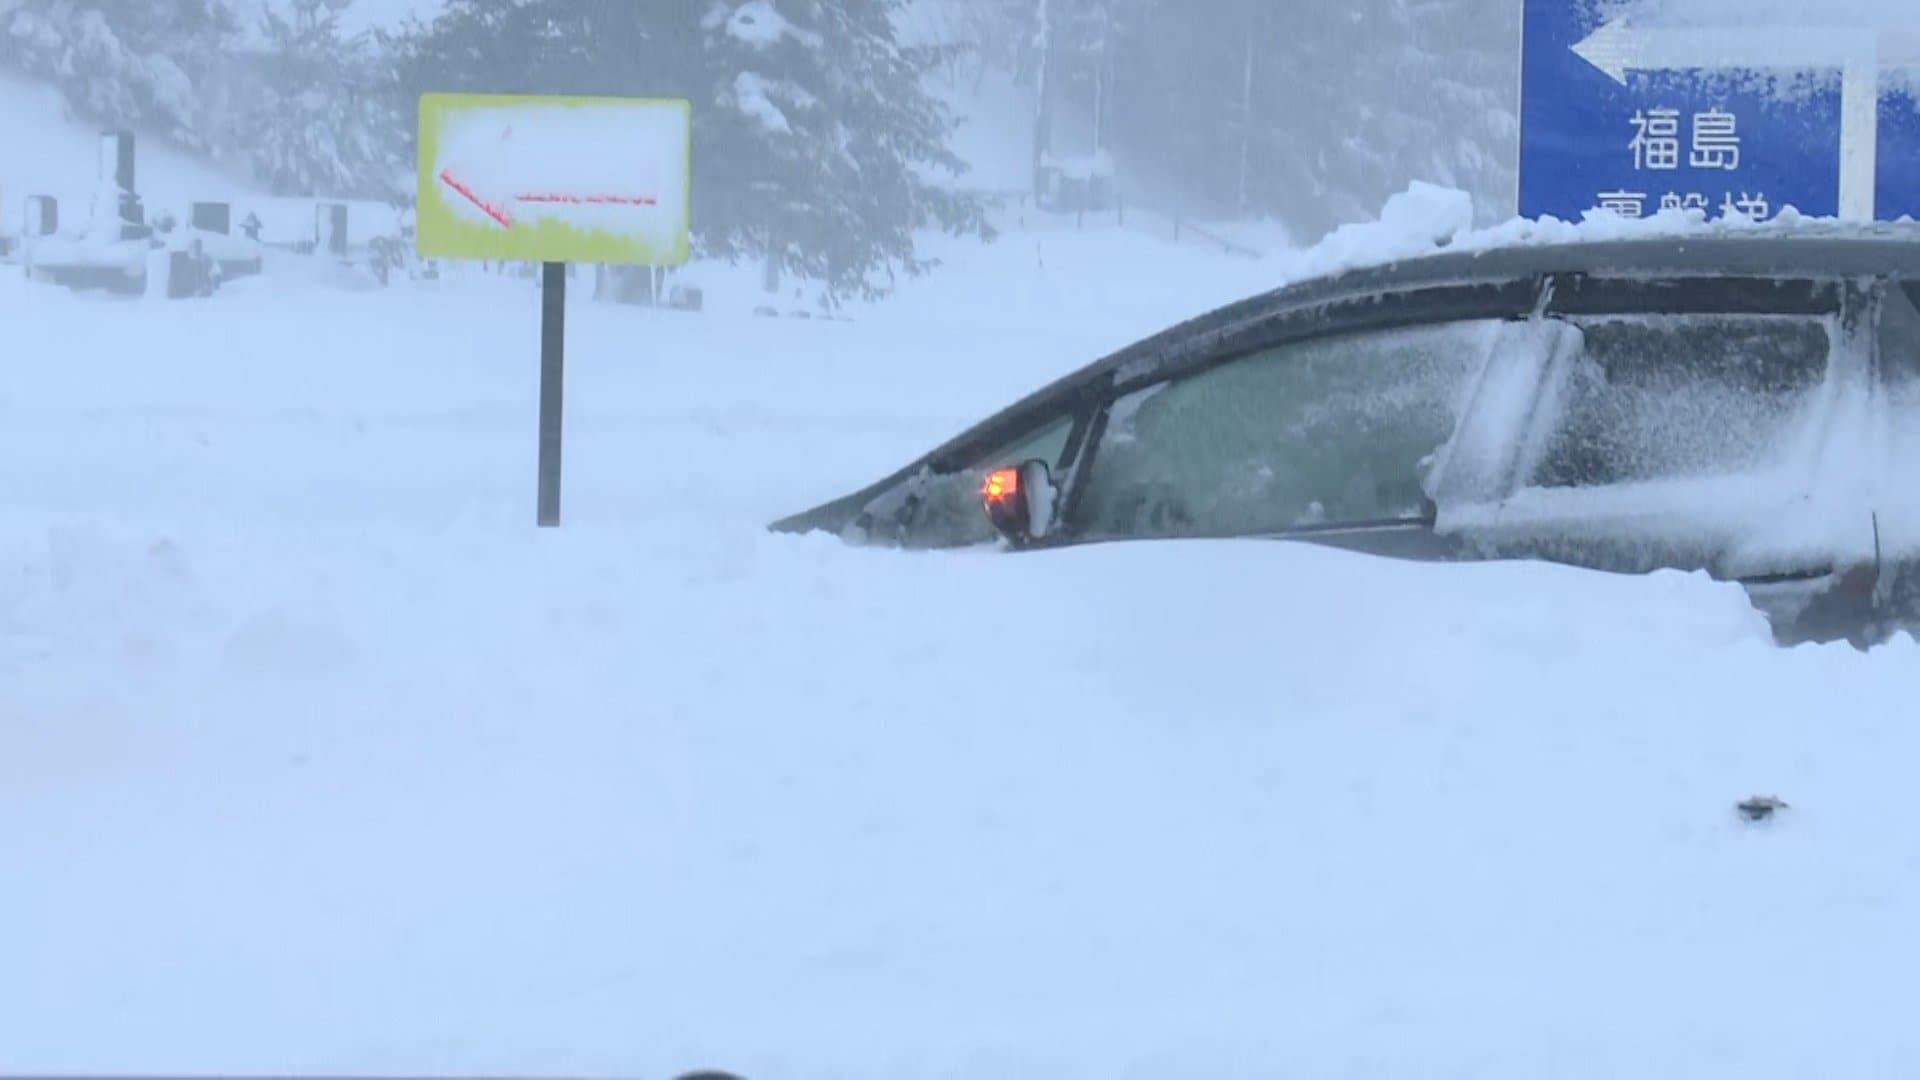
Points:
(1632, 118)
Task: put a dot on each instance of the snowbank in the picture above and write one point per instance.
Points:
(628, 801)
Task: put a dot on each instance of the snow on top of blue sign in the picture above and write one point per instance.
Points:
(1860, 13)
(1897, 22)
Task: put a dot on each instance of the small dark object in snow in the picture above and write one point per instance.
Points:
(1760, 807)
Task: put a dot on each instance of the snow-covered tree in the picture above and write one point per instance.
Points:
(153, 66)
(822, 113)
(323, 116)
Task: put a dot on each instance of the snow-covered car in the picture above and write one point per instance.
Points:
(1744, 402)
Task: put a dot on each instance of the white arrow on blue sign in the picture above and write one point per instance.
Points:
(1632, 118)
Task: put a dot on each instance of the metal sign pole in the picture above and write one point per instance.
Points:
(553, 336)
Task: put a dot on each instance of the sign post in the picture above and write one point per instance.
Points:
(1742, 120)
(553, 386)
(554, 180)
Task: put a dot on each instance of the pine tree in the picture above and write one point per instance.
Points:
(321, 120)
(827, 105)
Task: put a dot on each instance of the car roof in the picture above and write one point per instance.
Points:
(1825, 251)
(1828, 251)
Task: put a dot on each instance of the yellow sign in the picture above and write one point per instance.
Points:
(521, 178)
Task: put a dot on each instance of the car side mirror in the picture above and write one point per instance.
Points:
(1020, 501)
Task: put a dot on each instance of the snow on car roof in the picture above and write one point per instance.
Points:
(1427, 221)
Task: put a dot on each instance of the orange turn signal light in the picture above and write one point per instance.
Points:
(1000, 484)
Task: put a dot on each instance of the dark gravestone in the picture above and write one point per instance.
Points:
(686, 297)
(189, 274)
(116, 159)
(133, 217)
(330, 228)
(116, 167)
(213, 217)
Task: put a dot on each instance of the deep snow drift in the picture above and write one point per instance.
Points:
(315, 756)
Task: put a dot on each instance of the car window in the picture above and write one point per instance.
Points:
(1324, 432)
(1896, 500)
(1654, 397)
(1687, 441)
(1899, 341)
(1048, 444)
(933, 510)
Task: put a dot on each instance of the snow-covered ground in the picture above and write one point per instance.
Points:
(315, 756)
